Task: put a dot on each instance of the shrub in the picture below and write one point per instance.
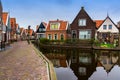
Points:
(44, 41)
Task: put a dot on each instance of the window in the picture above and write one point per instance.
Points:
(74, 59)
(49, 36)
(55, 36)
(85, 34)
(62, 37)
(54, 26)
(104, 26)
(82, 71)
(82, 22)
(110, 26)
(41, 29)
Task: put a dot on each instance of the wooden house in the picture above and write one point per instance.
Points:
(107, 31)
(41, 29)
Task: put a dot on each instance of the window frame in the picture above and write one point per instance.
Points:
(54, 26)
(82, 22)
(56, 38)
(110, 26)
(104, 27)
(49, 36)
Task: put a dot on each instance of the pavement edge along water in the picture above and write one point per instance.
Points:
(50, 67)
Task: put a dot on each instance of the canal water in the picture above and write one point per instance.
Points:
(85, 64)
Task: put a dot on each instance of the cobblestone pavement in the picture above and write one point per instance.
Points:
(20, 62)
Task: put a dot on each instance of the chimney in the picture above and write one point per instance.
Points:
(82, 7)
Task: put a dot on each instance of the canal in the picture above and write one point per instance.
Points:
(84, 63)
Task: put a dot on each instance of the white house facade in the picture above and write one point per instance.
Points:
(108, 31)
(108, 26)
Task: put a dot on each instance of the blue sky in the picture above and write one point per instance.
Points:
(32, 12)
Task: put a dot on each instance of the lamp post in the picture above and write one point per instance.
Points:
(1, 29)
(29, 34)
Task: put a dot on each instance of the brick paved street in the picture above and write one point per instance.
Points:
(20, 62)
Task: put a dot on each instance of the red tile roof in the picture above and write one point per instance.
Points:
(4, 17)
(31, 31)
(13, 22)
(63, 24)
(98, 23)
(45, 24)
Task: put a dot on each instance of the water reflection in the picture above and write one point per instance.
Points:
(88, 64)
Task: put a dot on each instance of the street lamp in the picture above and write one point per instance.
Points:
(29, 34)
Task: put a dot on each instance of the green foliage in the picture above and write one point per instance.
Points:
(68, 41)
(44, 41)
(107, 45)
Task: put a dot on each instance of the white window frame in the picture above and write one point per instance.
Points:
(104, 27)
(109, 27)
(49, 36)
(82, 22)
(54, 24)
(56, 36)
(61, 37)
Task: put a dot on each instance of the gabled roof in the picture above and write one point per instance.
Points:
(110, 20)
(63, 24)
(5, 17)
(98, 23)
(42, 25)
(82, 13)
(113, 30)
(31, 31)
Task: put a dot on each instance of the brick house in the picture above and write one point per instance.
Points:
(13, 28)
(83, 27)
(57, 30)
(6, 25)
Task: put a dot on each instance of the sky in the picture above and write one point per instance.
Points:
(33, 12)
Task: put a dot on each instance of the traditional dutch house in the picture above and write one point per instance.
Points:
(83, 27)
(23, 34)
(107, 31)
(30, 33)
(41, 29)
(1, 24)
(6, 26)
(17, 31)
(13, 28)
(57, 30)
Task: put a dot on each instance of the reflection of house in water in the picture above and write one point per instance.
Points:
(58, 60)
(83, 64)
(108, 59)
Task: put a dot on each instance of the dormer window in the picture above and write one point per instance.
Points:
(82, 22)
(54, 26)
